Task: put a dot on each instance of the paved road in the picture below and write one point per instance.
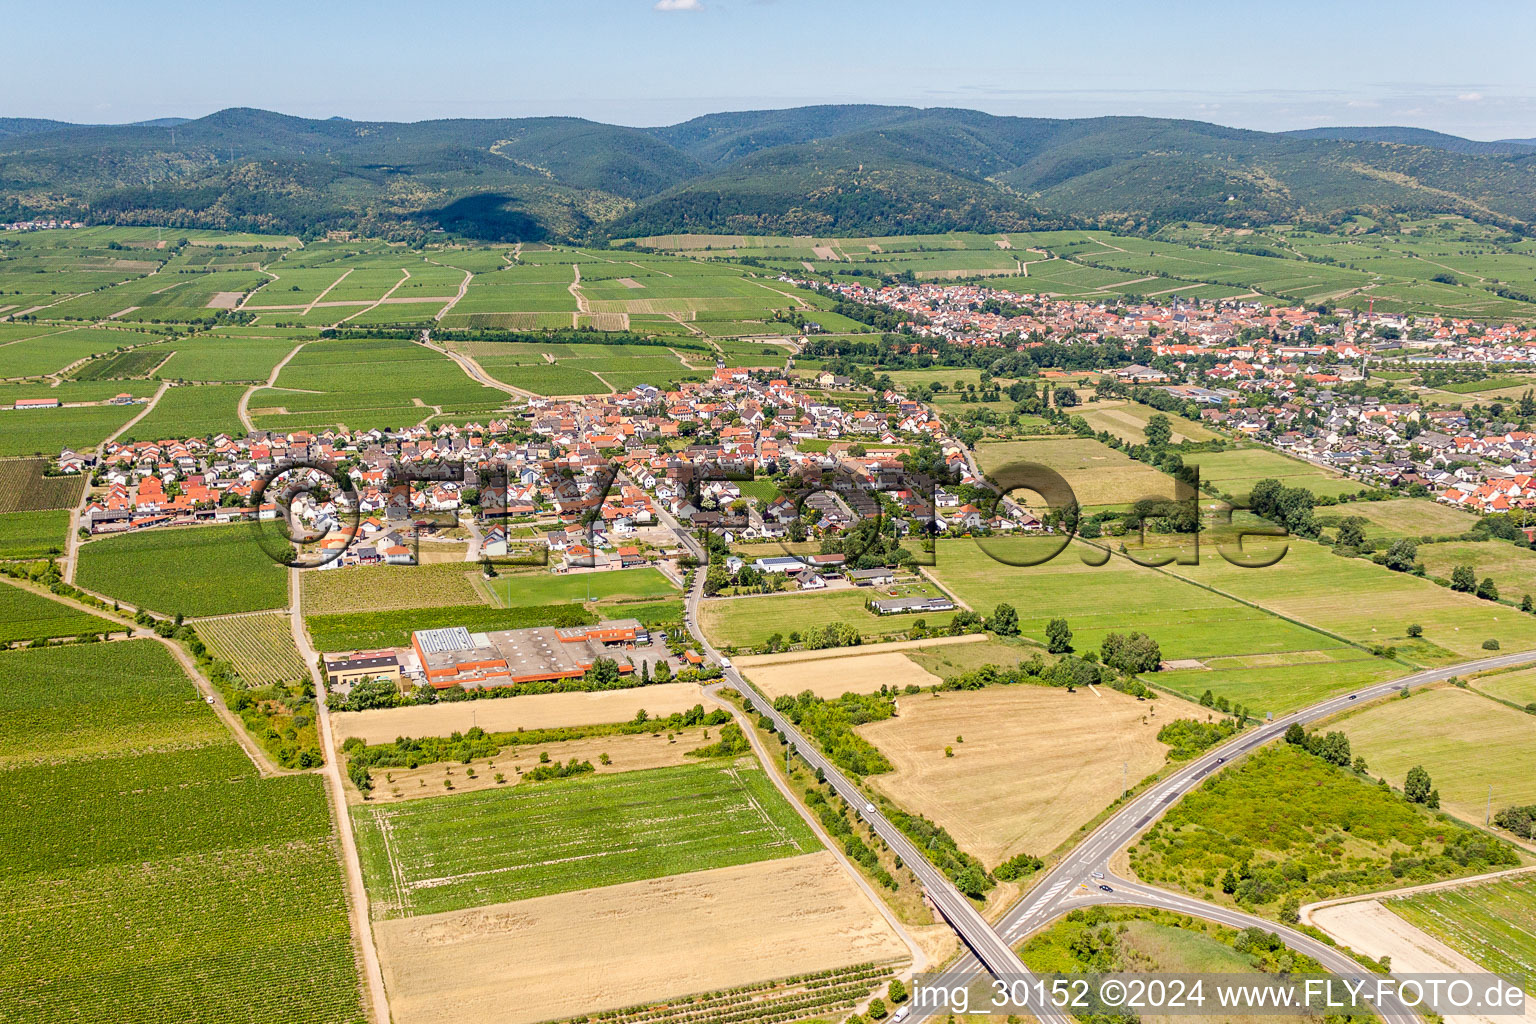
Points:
(1075, 881)
(986, 945)
(1053, 895)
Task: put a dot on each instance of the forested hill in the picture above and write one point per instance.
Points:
(822, 170)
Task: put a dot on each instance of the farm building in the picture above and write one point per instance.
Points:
(900, 605)
(456, 657)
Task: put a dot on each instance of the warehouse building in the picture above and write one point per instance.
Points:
(456, 657)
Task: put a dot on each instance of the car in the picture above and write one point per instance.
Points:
(1106, 888)
(869, 808)
(208, 699)
(725, 662)
(1353, 696)
(1221, 760)
(901, 1015)
(1098, 874)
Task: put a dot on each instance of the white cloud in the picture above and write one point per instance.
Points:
(679, 5)
(1362, 104)
(1470, 97)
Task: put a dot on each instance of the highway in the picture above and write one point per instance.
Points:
(1075, 881)
(988, 948)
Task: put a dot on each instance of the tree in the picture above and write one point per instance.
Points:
(716, 579)
(1004, 621)
(663, 671)
(1131, 653)
(1066, 398)
(1058, 638)
(877, 1009)
(1525, 603)
(897, 993)
(1417, 786)
(1351, 533)
(1487, 590)
(1463, 579)
(1401, 555)
(1159, 430)
(1415, 630)
(1207, 699)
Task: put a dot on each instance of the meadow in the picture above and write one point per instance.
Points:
(152, 875)
(1128, 421)
(1256, 658)
(260, 647)
(749, 621)
(1342, 834)
(1517, 687)
(1099, 476)
(1467, 743)
(28, 616)
(1512, 569)
(1235, 472)
(1493, 924)
(452, 852)
(192, 571)
(1402, 517)
(1366, 603)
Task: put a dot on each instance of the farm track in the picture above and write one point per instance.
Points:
(473, 369)
(316, 300)
(380, 300)
(243, 409)
(357, 895)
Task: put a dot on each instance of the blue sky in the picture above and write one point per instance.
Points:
(1462, 67)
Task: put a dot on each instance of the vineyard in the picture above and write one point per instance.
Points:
(123, 365)
(154, 876)
(823, 994)
(260, 647)
(34, 534)
(73, 709)
(389, 587)
(457, 851)
(28, 616)
(193, 571)
(24, 488)
(356, 631)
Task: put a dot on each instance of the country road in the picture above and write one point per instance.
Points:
(1077, 879)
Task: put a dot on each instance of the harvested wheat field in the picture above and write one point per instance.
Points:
(1035, 762)
(833, 677)
(789, 657)
(633, 943)
(626, 753)
(1374, 930)
(535, 711)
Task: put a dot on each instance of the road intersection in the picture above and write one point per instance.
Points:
(1077, 879)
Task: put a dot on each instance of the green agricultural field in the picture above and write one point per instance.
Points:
(24, 488)
(193, 571)
(134, 363)
(147, 873)
(34, 534)
(28, 616)
(1493, 924)
(1099, 475)
(260, 647)
(1512, 569)
(75, 710)
(456, 851)
(643, 584)
(367, 382)
(748, 621)
(61, 348)
(355, 631)
(221, 359)
(50, 431)
(1235, 472)
(1466, 742)
(375, 588)
(1253, 657)
(1128, 421)
(1517, 687)
(200, 410)
(1341, 834)
(1366, 603)
(1401, 517)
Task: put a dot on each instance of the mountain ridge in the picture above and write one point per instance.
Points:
(829, 169)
